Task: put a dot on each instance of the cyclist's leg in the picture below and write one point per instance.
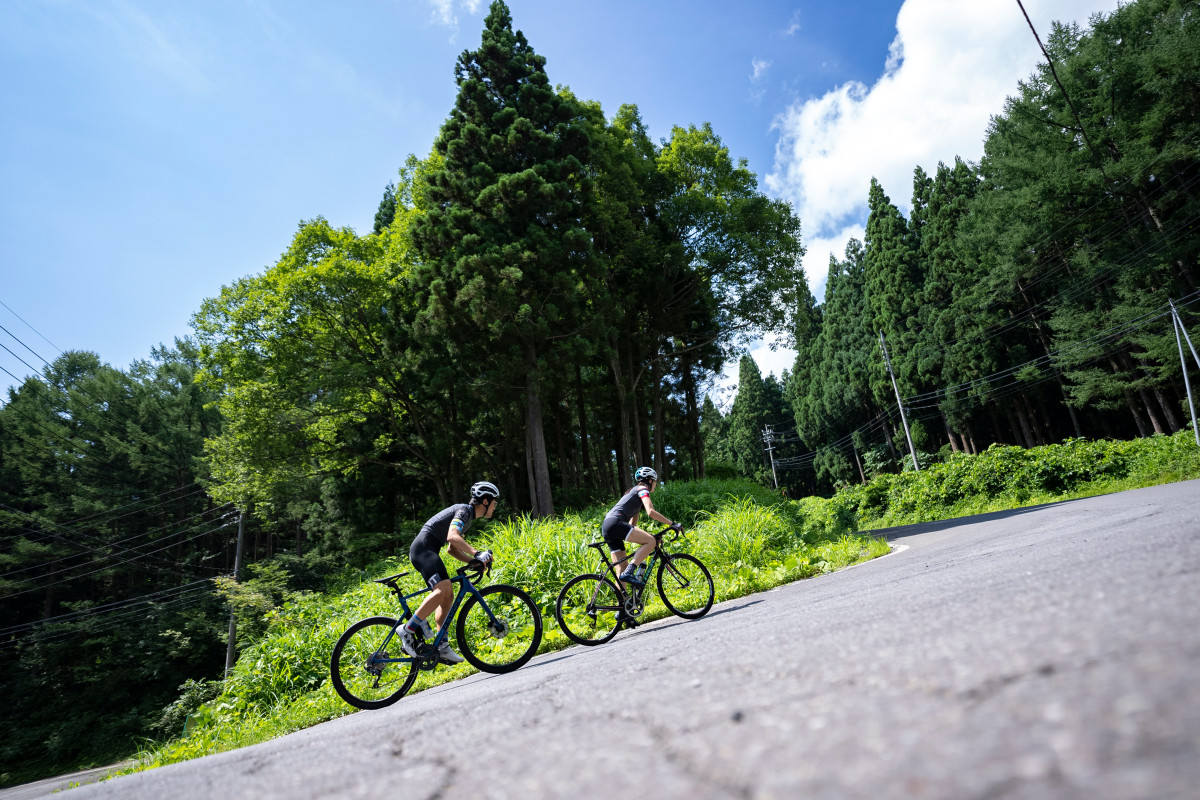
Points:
(618, 560)
(615, 531)
(644, 539)
(429, 564)
(438, 602)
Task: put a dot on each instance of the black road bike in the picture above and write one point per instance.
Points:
(592, 607)
(498, 629)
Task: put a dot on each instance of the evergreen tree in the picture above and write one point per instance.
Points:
(387, 209)
(747, 418)
(503, 250)
(893, 283)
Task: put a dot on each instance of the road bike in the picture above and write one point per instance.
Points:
(498, 630)
(592, 607)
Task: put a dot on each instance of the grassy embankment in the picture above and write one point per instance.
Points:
(749, 538)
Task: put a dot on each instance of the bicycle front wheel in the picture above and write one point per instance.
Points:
(500, 630)
(685, 586)
(587, 609)
(361, 672)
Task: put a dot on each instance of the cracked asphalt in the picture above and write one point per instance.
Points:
(1040, 653)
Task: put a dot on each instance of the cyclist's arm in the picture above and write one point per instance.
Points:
(652, 514)
(458, 546)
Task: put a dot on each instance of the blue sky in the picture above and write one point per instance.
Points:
(152, 152)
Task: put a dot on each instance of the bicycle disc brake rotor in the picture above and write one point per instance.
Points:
(499, 629)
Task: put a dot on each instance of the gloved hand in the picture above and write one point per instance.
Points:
(484, 557)
(677, 526)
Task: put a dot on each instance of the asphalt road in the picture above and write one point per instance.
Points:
(1040, 653)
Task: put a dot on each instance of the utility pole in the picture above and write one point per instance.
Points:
(1177, 324)
(769, 437)
(237, 575)
(887, 360)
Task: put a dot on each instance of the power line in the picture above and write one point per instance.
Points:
(105, 608)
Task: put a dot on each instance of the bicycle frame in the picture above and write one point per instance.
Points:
(465, 587)
(655, 554)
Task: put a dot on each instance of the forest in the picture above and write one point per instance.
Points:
(545, 300)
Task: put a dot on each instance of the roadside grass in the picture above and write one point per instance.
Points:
(750, 539)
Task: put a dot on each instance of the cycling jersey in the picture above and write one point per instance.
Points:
(629, 504)
(434, 532)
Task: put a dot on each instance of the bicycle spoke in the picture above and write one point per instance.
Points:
(365, 668)
(685, 586)
(587, 609)
(503, 635)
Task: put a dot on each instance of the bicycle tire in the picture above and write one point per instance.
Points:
(512, 648)
(587, 609)
(685, 586)
(351, 671)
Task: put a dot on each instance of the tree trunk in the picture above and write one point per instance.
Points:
(1148, 402)
(1168, 410)
(949, 433)
(621, 435)
(1026, 431)
(566, 472)
(660, 439)
(862, 476)
(1143, 429)
(583, 428)
(637, 412)
(530, 480)
(693, 418)
(1037, 428)
(537, 441)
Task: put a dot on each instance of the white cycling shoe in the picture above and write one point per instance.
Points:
(446, 655)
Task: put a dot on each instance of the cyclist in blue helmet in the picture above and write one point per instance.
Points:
(620, 525)
(447, 527)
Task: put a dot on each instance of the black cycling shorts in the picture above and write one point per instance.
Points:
(614, 531)
(429, 564)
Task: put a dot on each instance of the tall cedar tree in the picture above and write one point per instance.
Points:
(750, 412)
(502, 247)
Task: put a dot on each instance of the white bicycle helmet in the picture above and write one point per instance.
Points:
(645, 473)
(485, 489)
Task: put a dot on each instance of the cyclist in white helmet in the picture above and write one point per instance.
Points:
(620, 525)
(447, 527)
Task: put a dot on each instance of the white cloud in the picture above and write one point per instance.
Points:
(818, 249)
(948, 70)
(794, 26)
(446, 11)
(760, 68)
(946, 73)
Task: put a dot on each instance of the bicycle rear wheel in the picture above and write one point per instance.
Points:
(506, 642)
(360, 674)
(685, 586)
(587, 609)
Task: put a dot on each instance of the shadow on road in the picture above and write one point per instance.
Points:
(915, 528)
(658, 624)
